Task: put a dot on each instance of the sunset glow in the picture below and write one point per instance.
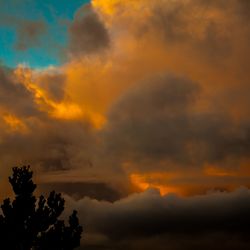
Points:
(137, 111)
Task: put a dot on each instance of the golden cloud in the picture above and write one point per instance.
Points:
(114, 99)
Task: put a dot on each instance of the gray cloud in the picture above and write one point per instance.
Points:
(14, 96)
(157, 121)
(169, 218)
(48, 144)
(54, 84)
(78, 190)
(87, 33)
(208, 30)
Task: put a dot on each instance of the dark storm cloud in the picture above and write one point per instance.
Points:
(87, 33)
(147, 215)
(14, 96)
(157, 121)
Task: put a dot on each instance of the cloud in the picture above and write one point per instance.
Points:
(149, 216)
(30, 131)
(145, 120)
(205, 29)
(53, 83)
(160, 120)
(14, 96)
(154, 94)
(53, 144)
(29, 34)
(127, 111)
(78, 190)
(87, 33)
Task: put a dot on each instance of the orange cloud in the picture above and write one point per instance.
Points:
(15, 124)
(151, 180)
(205, 44)
(63, 109)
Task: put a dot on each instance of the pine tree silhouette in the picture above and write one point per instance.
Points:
(29, 223)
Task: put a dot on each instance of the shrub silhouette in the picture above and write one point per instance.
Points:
(29, 223)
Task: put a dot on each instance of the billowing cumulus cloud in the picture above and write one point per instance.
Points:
(170, 94)
(160, 120)
(154, 94)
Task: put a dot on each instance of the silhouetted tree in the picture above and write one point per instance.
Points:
(29, 223)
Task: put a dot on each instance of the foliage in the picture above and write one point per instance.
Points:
(28, 222)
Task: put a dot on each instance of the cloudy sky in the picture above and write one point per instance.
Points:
(138, 111)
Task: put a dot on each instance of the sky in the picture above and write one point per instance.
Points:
(137, 111)
(50, 19)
